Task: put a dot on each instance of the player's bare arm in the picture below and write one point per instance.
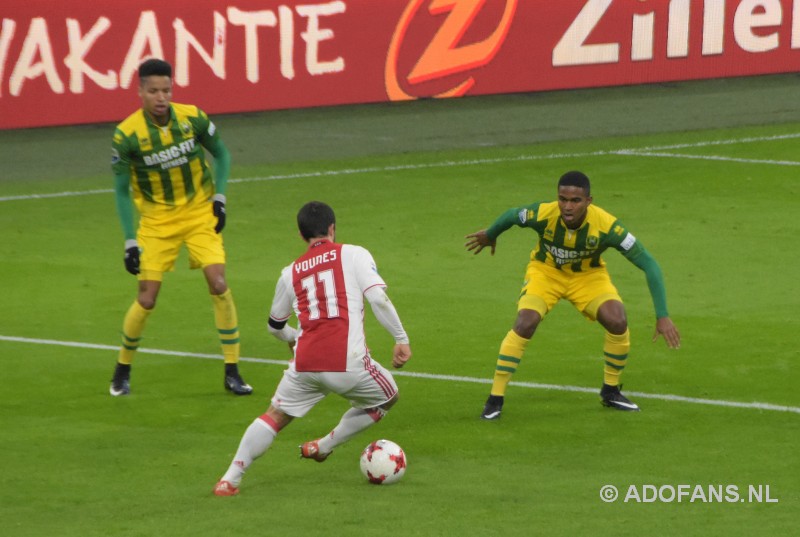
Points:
(478, 241)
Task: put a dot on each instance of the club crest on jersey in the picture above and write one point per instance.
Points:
(186, 128)
(114, 156)
(592, 242)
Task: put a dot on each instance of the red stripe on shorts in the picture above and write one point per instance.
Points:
(382, 381)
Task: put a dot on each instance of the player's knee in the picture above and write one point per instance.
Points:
(276, 419)
(217, 286)
(389, 404)
(147, 302)
(148, 293)
(526, 323)
(616, 326)
(615, 323)
(215, 277)
(611, 314)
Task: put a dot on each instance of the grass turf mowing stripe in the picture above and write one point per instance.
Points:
(431, 376)
(654, 151)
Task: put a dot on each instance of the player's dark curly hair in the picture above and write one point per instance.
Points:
(577, 179)
(154, 67)
(314, 219)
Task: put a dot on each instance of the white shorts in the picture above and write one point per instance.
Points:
(298, 392)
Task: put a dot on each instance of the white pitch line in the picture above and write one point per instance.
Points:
(654, 151)
(730, 141)
(343, 172)
(430, 376)
(709, 157)
(440, 164)
(66, 194)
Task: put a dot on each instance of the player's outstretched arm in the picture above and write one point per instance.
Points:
(666, 328)
(478, 241)
(488, 237)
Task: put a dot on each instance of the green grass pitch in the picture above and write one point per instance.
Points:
(704, 174)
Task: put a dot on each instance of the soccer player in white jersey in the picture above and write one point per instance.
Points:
(325, 289)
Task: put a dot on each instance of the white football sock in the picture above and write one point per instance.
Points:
(255, 442)
(353, 422)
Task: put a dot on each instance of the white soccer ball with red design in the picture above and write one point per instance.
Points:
(383, 462)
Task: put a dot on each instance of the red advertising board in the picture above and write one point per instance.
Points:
(67, 62)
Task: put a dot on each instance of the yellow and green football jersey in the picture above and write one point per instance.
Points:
(566, 249)
(167, 165)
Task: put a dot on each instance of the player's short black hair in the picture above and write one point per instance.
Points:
(154, 67)
(314, 219)
(578, 179)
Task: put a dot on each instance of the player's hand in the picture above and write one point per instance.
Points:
(219, 212)
(478, 241)
(666, 328)
(132, 258)
(400, 355)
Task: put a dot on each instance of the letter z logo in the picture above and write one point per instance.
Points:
(443, 56)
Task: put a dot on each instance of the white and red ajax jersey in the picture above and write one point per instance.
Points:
(325, 289)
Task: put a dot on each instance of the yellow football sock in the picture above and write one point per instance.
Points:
(615, 349)
(511, 350)
(227, 326)
(132, 328)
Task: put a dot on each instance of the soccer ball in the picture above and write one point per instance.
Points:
(383, 462)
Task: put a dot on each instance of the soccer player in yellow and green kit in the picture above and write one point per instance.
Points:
(566, 264)
(160, 166)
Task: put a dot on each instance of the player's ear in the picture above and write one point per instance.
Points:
(332, 231)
